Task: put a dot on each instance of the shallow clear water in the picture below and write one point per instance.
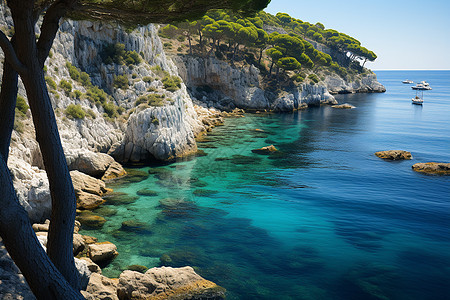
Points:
(323, 218)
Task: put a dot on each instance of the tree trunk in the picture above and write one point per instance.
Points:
(260, 55)
(190, 44)
(44, 279)
(60, 236)
(8, 96)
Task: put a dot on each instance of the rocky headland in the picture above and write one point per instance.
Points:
(111, 113)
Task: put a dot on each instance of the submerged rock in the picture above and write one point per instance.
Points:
(344, 106)
(137, 268)
(394, 154)
(91, 220)
(119, 198)
(204, 192)
(135, 226)
(265, 150)
(147, 192)
(432, 168)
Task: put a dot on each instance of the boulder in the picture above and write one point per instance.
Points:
(344, 106)
(265, 150)
(103, 252)
(84, 271)
(78, 243)
(394, 154)
(93, 267)
(114, 171)
(102, 288)
(88, 162)
(85, 183)
(88, 200)
(432, 168)
(167, 283)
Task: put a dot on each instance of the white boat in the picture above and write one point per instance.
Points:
(423, 85)
(407, 81)
(417, 100)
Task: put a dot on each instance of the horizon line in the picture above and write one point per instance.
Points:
(410, 69)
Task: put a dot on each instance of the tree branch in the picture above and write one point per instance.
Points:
(50, 26)
(10, 54)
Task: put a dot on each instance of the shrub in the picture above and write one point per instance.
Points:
(73, 71)
(85, 79)
(110, 109)
(96, 95)
(65, 86)
(77, 94)
(181, 38)
(51, 83)
(147, 79)
(121, 82)
(91, 114)
(155, 121)
(140, 100)
(171, 83)
(168, 45)
(313, 77)
(134, 75)
(21, 104)
(116, 53)
(75, 111)
(18, 125)
(155, 100)
(120, 110)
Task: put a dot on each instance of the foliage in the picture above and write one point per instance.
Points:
(51, 83)
(313, 77)
(155, 121)
(172, 83)
(75, 111)
(21, 104)
(73, 71)
(116, 53)
(121, 82)
(65, 86)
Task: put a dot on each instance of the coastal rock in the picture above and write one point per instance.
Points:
(32, 189)
(114, 171)
(103, 252)
(432, 168)
(12, 284)
(360, 84)
(343, 106)
(167, 283)
(84, 271)
(78, 243)
(88, 162)
(85, 183)
(102, 288)
(93, 267)
(265, 150)
(88, 200)
(394, 154)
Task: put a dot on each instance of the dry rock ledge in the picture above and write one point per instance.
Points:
(394, 154)
(344, 106)
(432, 168)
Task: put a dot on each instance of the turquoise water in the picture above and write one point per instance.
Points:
(323, 218)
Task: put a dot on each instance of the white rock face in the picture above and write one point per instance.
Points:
(361, 84)
(241, 85)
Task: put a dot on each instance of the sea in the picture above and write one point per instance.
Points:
(322, 218)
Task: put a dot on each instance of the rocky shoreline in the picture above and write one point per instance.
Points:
(164, 126)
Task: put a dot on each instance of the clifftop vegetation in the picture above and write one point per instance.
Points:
(282, 47)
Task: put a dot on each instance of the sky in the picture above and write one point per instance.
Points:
(406, 35)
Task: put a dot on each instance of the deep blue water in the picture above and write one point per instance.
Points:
(323, 218)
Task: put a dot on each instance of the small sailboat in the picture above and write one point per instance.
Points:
(417, 100)
(407, 81)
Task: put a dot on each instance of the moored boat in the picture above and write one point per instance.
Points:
(407, 81)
